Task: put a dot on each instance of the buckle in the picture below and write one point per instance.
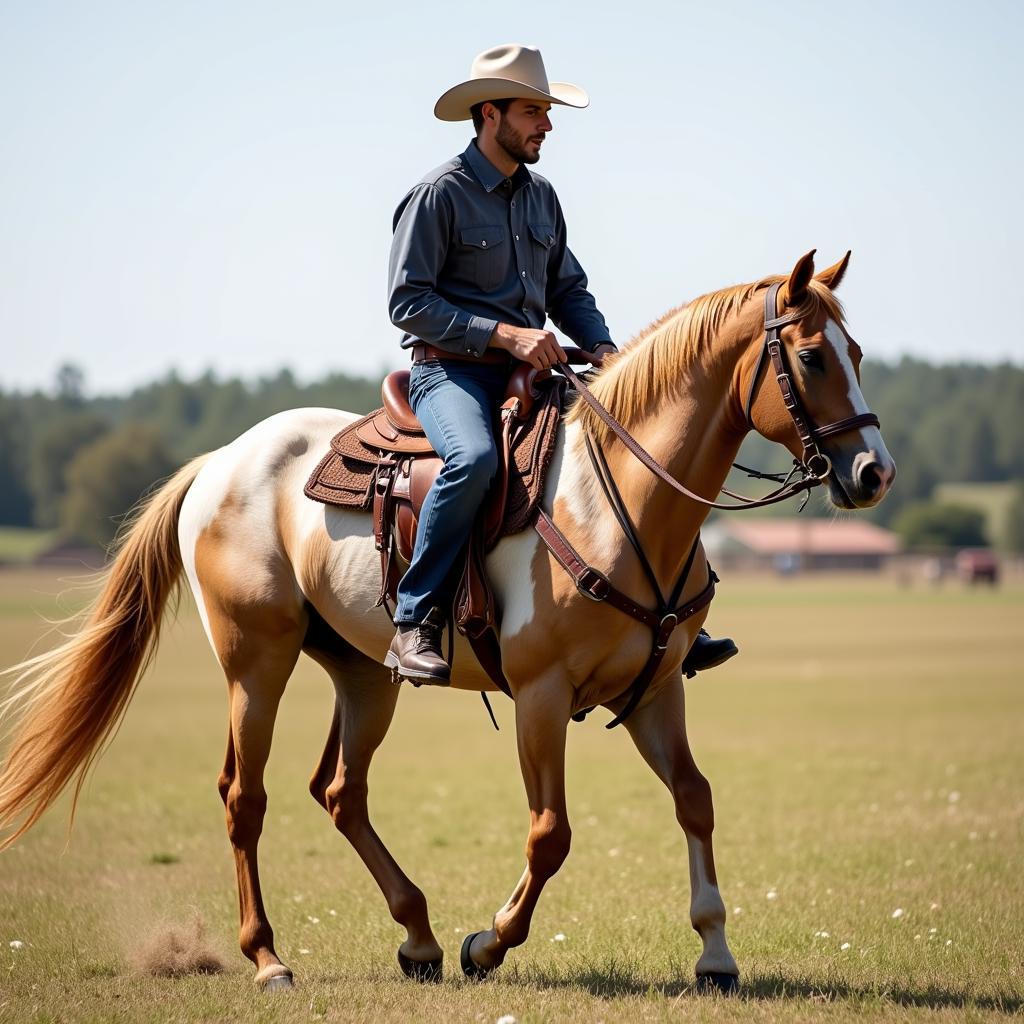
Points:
(593, 584)
(665, 629)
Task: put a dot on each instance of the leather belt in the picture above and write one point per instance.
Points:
(490, 357)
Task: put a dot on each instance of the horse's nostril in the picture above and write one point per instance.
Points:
(871, 478)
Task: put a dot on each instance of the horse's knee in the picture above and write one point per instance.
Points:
(224, 781)
(345, 800)
(548, 845)
(244, 812)
(695, 810)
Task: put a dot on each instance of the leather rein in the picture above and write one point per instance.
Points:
(814, 465)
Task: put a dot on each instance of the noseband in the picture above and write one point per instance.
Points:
(815, 462)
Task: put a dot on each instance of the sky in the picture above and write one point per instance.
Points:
(196, 186)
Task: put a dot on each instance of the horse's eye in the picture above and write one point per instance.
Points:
(811, 358)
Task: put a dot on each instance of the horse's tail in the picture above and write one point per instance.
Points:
(68, 702)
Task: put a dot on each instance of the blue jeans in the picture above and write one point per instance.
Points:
(457, 404)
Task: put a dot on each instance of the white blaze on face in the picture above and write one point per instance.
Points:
(870, 436)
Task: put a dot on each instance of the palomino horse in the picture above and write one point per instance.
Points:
(275, 574)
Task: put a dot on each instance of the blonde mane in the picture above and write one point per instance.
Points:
(651, 364)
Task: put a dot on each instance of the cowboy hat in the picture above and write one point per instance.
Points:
(506, 72)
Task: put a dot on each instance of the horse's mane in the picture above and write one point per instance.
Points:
(650, 364)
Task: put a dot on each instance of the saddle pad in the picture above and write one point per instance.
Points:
(345, 475)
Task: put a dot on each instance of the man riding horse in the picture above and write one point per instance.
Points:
(479, 261)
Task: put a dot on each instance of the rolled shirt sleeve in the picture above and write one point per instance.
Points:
(419, 249)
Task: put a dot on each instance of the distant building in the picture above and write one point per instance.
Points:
(799, 544)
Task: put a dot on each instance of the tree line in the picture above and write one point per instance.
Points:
(75, 464)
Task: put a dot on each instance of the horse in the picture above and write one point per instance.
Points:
(276, 575)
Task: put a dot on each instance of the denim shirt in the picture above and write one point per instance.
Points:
(465, 257)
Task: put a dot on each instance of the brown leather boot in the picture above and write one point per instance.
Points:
(415, 652)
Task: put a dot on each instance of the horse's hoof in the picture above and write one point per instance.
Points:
(276, 978)
(470, 968)
(421, 970)
(717, 982)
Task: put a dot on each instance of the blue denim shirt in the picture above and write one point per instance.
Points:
(466, 256)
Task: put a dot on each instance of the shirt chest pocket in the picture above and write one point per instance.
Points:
(486, 254)
(542, 240)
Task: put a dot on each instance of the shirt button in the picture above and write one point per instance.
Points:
(484, 243)
(524, 273)
(517, 238)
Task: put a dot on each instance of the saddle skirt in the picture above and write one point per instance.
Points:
(384, 463)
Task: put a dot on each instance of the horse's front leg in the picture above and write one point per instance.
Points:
(542, 715)
(659, 732)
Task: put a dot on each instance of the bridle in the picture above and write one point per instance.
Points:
(815, 462)
(813, 465)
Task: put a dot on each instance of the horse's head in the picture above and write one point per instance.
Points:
(823, 363)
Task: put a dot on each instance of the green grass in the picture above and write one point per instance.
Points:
(20, 546)
(865, 753)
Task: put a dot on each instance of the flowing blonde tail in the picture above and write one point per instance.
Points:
(67, 703)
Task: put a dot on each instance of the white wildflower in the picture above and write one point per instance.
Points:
(737, 910)
(506, 1019)
(954, 796)
(16, 944)
(845, 946)
(771, 894)
(559, 937)
(897, 913)
(312, 920)
(613, 852)
(304, 952)
(822, 935)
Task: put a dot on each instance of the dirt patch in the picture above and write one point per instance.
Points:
(172, 951)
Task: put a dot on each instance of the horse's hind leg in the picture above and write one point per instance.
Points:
(364, 706)
(257, 663)
(659, 732)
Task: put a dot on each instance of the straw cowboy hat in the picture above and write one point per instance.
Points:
(506, 72)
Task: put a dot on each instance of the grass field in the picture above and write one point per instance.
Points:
(867, 762)
(20, 546)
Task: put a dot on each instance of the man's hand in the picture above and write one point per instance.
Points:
(536, 347)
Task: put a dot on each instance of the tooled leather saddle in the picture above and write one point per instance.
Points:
(384, 463)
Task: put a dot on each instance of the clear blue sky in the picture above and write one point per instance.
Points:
(196, 185)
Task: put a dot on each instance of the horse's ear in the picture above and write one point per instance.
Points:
(796, 286)
(831, 277)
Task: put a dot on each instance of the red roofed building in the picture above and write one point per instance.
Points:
(788, 545)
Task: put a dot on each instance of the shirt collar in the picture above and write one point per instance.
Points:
(487, 174)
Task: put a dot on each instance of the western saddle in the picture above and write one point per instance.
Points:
(385, 464)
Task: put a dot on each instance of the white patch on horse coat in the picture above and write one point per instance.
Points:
(263, 452)
(572, 482)
(871, 436)
(203, 500)
(707, 914)
(509, 569)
